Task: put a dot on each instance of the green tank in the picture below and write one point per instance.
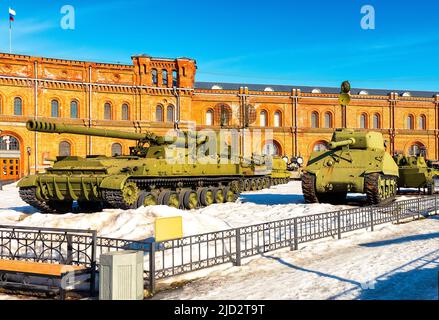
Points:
(415, 172)
(261, 172)
(356, 162)
(159, 170)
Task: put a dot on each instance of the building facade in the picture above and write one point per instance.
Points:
(157, 94)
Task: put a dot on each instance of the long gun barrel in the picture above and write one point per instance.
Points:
(337, 144)
(53, 127)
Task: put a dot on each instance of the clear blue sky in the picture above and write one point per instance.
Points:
(317, 43)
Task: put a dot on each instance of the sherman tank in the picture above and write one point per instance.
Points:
(416, 172)
(159, 170)
(356, 162)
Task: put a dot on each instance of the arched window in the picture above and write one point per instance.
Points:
(416, 149)
(277, 119)
(116, 149)
(422, 122)
(320, 146)
(125, 112)
(170, 114)
(314, 120)
(209, 117)
(174, 78)
(74, 109)
(154, 76)
(107, 111)
(225, 115)
(272, 148)
(18, 106)
(376, 121)
(263, 118)
(64, 149)
(9, 143)
(159, 113)
(410, 122)
(165, 77)
(328, 120)
(54, 109)
(363, 121)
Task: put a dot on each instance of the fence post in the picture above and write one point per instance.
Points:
(152, 268)
(238, 248)
(339, 225)
(295, 245)
(371, 219)
(435, 204)
(93, 265)
(419, 208)
(69, 255)
(398, 209)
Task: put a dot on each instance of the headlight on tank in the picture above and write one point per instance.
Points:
(330, 163)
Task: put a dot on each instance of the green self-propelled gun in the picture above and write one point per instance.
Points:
(356, 162)
(159, 170)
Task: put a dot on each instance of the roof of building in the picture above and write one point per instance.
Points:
(309, 89)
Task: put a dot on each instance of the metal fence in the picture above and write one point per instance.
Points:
(175, 257)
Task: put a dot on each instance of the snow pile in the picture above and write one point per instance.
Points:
(278, 202)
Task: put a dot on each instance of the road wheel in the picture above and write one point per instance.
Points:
(218, 195)
(205, 196)
(147, 199)
(229, 195)
(190, 199)
(169, 198)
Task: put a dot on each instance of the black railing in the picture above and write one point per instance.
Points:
(175, 257)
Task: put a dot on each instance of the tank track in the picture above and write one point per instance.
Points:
(28, 195)
(115, 199)
(172, 182)
(308, 188)
(372, 191)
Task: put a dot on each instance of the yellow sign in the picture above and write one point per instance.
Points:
(168, 228)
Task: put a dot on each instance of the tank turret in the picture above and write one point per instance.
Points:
(144, 140)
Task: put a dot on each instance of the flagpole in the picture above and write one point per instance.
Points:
(10, 36)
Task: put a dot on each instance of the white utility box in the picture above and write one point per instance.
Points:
(121, 275)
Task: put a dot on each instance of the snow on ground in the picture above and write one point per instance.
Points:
(278, 202)
(393, 262)
(320, 270)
